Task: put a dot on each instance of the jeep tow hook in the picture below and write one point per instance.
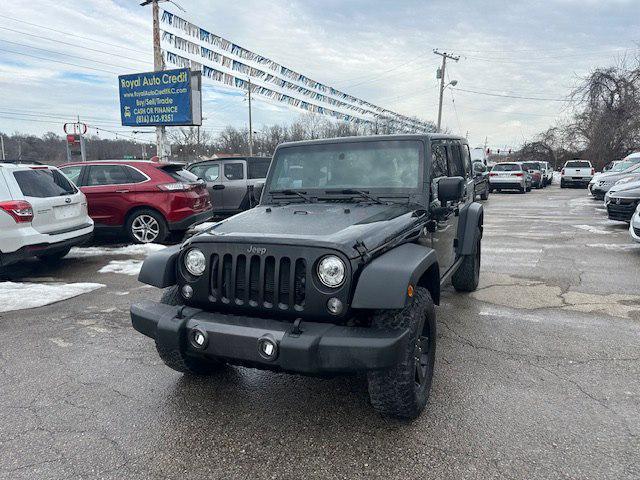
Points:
(295, 330)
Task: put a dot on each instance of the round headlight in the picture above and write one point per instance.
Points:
(331, 271)
(195, 262)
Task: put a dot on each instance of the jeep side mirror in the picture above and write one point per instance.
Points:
(451, 189)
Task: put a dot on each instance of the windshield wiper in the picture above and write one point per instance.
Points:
(288, 191)
(362, 193)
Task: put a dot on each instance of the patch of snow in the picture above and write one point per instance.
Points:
(615, 246)
(20, 296)
(591, 229)
(202, 227)
(125, 267)
(129, 250)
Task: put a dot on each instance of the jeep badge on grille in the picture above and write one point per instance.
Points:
(256, 250)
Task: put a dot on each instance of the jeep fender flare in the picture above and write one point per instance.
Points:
(159, 268)
(384, 282)
(471, 216)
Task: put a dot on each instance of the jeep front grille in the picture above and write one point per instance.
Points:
(259, 281)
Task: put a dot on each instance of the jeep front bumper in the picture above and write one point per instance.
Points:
(317, 348)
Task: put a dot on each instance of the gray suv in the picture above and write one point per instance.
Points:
(234, 183)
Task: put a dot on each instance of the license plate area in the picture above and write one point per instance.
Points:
(66, 211)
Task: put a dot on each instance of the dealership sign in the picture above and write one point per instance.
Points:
(167, 97)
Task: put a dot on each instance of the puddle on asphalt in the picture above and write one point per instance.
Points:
(527, 294)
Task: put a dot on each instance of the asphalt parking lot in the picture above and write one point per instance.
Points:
(537, 375)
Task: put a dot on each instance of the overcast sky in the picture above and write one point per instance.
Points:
(61, 59)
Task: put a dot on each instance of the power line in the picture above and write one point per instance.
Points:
(511, 96)
(72, 44)
(383, 73)
(69, 34)
(58, 61)
(66, 54)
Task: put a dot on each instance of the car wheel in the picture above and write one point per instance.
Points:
(491, 190)
(467, 277)
(55, 256)
(403, 391)
(176, 358)
(146, 226)
(562, 184)
(522, 189)
(529, 188)
(485, 194)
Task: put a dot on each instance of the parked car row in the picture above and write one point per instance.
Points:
(619, 187)
(520, 176)
(45, 211)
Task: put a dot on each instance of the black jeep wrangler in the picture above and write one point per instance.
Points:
(336, 270)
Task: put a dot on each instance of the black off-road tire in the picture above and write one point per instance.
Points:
(403, 391)
(175, 358)
(55, 256)
(467, 277)
(562, 185)
(529, 188)
(485, 194)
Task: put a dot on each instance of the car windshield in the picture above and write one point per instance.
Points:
(354, 165)
(506, 167)
(531, 165)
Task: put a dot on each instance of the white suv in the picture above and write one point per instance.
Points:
(42, 214)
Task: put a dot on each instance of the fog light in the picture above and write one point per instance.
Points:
(198, 338)
(334, 305)
(268, 348)
(187, 291)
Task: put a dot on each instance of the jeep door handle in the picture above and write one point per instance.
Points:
(122, 191)
(217, 187)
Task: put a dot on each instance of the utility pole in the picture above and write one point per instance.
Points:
(250, 123)
(158, 65)
(444, 56)
(2, 142)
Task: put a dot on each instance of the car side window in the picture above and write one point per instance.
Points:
(233, 171)
(211, 173)
(72, 172)
(466, 158)
(439, 160)
(134, 175)
(106, 175)
(456, 168)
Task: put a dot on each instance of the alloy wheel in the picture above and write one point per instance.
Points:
(145, 228)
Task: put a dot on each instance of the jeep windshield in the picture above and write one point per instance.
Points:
(364, 169)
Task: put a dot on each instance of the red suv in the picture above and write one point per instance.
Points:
(145, 199)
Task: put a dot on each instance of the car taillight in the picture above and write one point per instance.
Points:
(593, 171)
(519, 174)
(492, 174)
(176, 187)
(20, 211)
(562, 172)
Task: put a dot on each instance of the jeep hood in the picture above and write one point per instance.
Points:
(330, 225)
